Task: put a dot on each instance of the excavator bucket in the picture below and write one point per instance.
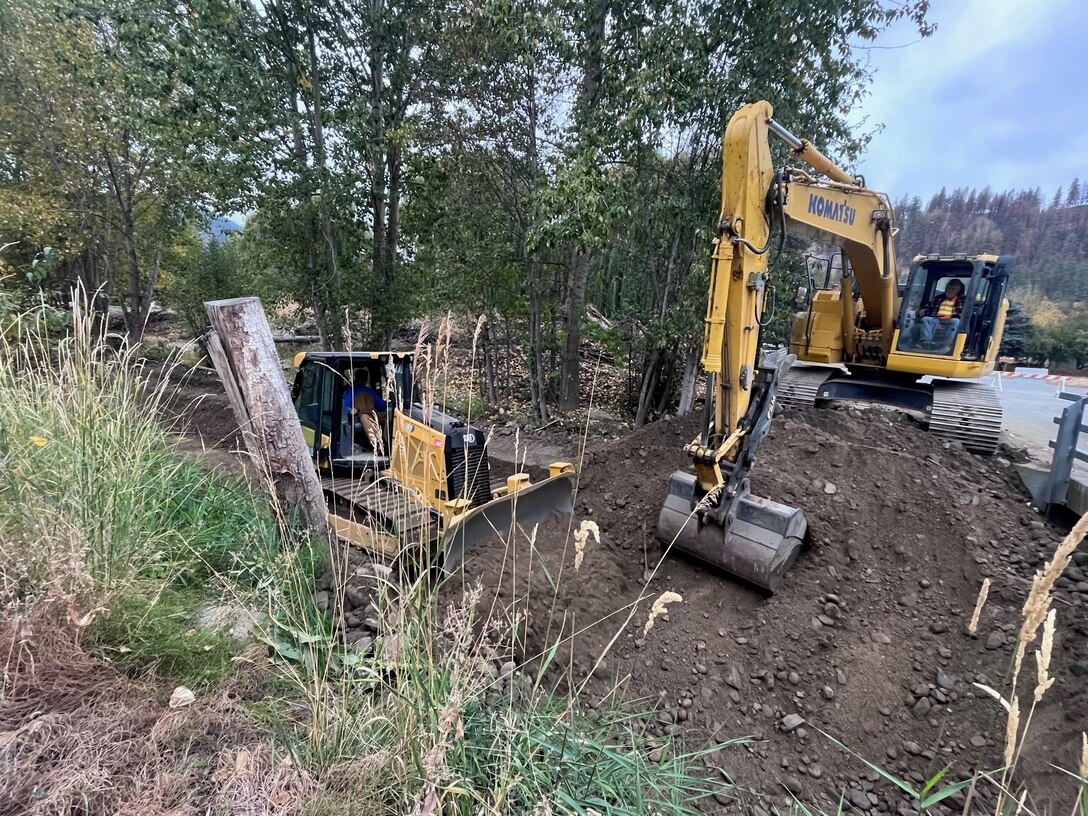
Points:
(759, 543)
(525, 507)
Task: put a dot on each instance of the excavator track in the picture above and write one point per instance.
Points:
(962, 412)
(801, 386)
(967, 413)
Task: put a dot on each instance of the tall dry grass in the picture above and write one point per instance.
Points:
(1038, 613)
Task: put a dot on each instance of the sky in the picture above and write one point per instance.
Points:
(996, 96)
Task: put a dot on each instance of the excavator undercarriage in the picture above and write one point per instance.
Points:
(964, 412)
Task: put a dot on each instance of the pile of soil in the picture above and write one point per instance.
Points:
(866, 640)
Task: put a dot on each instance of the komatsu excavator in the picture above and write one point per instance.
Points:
(872, 339)
(417, 480)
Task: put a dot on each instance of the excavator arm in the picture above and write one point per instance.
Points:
(712, 515)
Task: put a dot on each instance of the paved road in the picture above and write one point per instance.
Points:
(1030, 408)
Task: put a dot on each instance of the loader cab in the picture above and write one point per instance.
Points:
(973, 335)
(321, 395)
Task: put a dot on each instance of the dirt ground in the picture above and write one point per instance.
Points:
(865, 641)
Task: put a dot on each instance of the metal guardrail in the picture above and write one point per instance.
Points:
(1059, 487)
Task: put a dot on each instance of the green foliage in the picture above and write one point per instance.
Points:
(194, 272)
(1065, 340)
(151, 627)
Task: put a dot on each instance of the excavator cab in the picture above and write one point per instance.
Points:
(969, 328)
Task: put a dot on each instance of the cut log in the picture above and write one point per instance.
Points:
(244, 354)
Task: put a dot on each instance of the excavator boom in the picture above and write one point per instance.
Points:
(712, 515)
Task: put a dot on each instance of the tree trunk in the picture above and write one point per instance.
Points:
(489, 365)
(331, 287)
(570, 377)
(687, 385)
(245, 356)
(537, 384)
(649, 384)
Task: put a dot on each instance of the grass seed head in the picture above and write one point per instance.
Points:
(581, 537)
(1042, 657)
(659, 608)
(1084, 757)
(1012, 728)
(1042, 585)
(972, 627)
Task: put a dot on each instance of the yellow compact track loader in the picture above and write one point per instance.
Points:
(405, 476)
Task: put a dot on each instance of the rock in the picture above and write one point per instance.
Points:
(840, 677)
(921, 708)
(733, 679)
(945, 680)
(828, 692)
(1080, 668)
(830, 489)
(995, 641)
(794, 678)
(363, 645)
(791, 722)
(912, 748)
(655, 756)
(858, 799)
(792, 785)
(321, 600)
(910, 600)
(978, 741)
(880, 637)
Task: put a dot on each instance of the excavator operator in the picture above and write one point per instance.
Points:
(942, 313)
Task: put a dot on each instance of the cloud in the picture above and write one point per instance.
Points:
(992, 98)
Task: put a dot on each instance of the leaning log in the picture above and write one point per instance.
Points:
(244, 353)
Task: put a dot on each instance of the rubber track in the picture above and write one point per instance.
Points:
(967, 413)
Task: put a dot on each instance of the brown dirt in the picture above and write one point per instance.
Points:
(855, 638)
(851, 643)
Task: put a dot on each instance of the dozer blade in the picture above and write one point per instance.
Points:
(759, 546)
(526, 507)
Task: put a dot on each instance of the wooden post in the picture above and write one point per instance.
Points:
(244, 353)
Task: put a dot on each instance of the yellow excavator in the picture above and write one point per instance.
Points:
(874, 341)
(417, 479)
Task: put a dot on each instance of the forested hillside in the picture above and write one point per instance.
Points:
(1048, 238)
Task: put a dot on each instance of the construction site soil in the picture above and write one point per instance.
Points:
(866, 641)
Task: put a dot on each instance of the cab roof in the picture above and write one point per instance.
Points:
(333, 357)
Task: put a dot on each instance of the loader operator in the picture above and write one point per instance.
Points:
(367, 407)
(942, 312)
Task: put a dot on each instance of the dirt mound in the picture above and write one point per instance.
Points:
(866, 640)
